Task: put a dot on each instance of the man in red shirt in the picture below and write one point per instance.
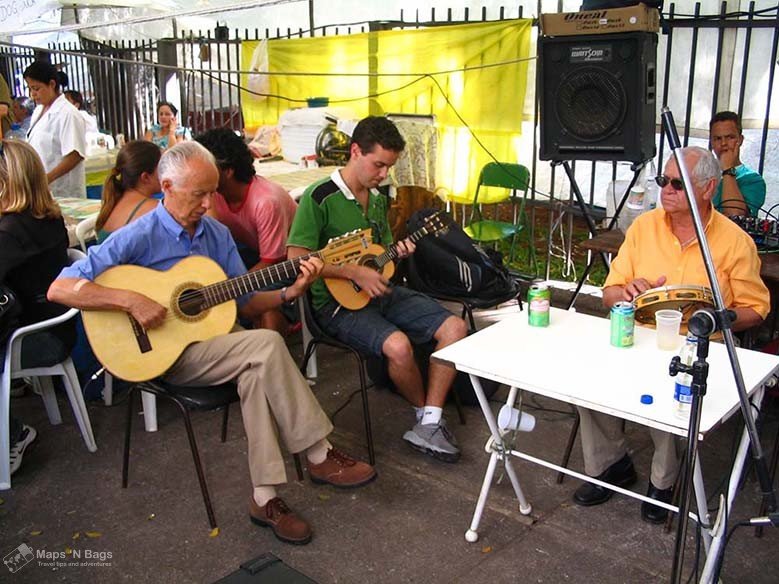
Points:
(257, 211)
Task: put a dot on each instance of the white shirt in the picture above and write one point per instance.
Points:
(90, 121)
(56, 134)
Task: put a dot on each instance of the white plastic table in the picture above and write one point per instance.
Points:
(572, 361)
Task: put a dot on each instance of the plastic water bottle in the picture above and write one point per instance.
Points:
(683, 385)
(650, 186)
(16, 133)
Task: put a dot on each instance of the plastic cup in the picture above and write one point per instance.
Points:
(668, 322)
(512, 419)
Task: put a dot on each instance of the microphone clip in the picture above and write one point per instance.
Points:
(706, 321)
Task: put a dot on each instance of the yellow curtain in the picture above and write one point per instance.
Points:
(471, 70)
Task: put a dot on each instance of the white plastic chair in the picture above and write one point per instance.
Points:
(13, 370)
(85, 231)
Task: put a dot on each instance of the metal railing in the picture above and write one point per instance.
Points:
(122, 82)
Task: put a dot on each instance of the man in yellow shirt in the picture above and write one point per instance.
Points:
(661, 249)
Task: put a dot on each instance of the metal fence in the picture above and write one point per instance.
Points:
(123, 81)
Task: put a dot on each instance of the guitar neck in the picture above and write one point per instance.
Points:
(252, 281)
(391, 252)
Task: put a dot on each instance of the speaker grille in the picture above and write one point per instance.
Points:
(590, 104)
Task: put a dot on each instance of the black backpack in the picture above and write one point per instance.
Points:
(451, 264)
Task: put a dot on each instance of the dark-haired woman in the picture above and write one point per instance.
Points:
(166, 133)
(56, 132)
(128, 190)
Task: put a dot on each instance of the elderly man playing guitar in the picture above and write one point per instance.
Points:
(274, 395)
(389, 315)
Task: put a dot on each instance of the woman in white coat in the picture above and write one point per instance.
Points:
(56, 132)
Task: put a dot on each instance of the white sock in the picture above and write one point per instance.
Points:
(317, 453)
(431, 415)
(419, 412)
(264, 494)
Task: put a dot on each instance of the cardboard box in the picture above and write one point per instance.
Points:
(633, 18)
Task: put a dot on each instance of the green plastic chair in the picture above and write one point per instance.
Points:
(515, 180)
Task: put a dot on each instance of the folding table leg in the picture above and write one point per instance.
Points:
(472, 534)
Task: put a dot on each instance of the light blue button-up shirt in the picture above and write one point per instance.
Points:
(157, 241)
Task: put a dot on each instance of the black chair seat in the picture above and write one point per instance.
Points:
(44, 349)
(211, 397)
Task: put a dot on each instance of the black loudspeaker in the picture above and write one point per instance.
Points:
(598, 97)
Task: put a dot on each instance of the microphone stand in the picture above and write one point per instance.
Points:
(698, 388)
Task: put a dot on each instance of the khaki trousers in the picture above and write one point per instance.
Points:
(275, 398)
(603, 444)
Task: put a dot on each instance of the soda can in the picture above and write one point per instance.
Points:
(622, 324)
(539, 298)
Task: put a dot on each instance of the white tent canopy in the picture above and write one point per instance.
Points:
(148, 20)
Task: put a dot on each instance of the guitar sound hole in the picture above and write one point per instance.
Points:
(370, 262)
(191, 302)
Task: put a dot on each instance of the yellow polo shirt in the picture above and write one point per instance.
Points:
(651, 250)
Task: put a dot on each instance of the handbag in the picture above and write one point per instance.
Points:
(10, 311)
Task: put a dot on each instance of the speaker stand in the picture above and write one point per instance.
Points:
(636, 167)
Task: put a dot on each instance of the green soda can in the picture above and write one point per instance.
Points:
(539, 298)
(622, 324)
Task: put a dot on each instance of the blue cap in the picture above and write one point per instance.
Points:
(647, 399)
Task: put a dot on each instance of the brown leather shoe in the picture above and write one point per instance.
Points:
(341, 470)
(286, 525)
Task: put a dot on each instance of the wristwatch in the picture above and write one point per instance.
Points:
(729, 171)
(284, 297)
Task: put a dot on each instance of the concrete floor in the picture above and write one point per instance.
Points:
(407, 526)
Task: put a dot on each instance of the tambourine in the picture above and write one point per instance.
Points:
(685, 299)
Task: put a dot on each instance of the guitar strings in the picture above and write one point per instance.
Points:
(225, 290)
(228, 287)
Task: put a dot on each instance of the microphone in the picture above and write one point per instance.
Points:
(704, 322)
(669, 125)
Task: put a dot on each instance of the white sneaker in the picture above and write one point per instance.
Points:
(17, 450)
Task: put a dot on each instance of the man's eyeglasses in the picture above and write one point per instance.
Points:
(676, 183)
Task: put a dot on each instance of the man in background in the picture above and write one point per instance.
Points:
(257, 212)
(742, 190)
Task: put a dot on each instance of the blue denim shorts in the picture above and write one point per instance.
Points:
(408, 311)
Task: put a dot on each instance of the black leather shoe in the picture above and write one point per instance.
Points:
(653, 513)
(621, 474)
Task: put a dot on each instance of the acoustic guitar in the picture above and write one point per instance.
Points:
(348, 294)
(197, 294)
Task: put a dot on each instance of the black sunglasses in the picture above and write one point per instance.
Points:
(676, 183)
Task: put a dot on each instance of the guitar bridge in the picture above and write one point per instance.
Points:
(144, 345)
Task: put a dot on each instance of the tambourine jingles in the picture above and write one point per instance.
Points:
(686, 299)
